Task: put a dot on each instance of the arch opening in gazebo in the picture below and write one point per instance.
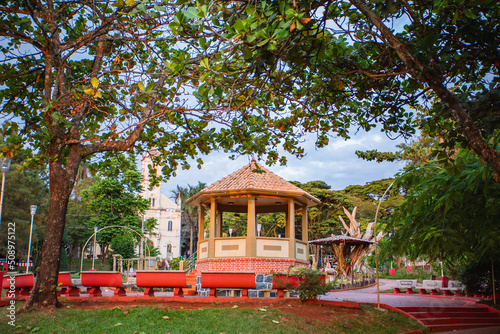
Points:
(251, 191)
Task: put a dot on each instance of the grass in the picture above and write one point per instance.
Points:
(159, 319)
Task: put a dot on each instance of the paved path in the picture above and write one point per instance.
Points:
(369, 295)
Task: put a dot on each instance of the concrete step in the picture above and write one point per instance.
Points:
(408, 309)
(445, 321)
(454, 327)
(447, 314)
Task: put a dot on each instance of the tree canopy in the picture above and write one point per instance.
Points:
(448, 214)
(117, 202)
(326, 66)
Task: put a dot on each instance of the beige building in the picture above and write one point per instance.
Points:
(167, 235)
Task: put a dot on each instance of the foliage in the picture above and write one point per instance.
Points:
(448, 212)
(322, 218)
(124, 245)
(328, 66)
(310, 283)
(22, 189)
(189, 218)
(117, 201)
(174, 263)
(476, 276)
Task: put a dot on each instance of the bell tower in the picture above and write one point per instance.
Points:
(153, 194)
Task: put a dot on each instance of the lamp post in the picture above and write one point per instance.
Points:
(93, 255)
(32, 211)
(376, 248)
(259, 228)
(5, 168)
(230, 232)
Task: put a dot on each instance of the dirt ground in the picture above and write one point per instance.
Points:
(318, 311)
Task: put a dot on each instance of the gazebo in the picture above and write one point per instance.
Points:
(347, 249)
(252, 190)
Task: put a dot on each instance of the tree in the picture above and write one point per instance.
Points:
(326, 66)
(448, 214)
(82, 81)
(23, 188)
(117, 202)
(322, 218)
(189, 216)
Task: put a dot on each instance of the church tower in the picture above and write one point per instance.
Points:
(167, 234)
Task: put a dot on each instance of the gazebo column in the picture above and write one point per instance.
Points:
(201, 224)
(291, 229)
(305, 230)
(218, 233)
(251, 243)
(211, 237)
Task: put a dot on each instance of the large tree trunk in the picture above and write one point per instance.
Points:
(44, 294)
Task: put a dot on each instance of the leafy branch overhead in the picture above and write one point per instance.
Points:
(327, 66)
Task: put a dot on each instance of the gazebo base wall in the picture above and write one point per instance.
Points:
(257, 265)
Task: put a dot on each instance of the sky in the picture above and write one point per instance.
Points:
(335, 164)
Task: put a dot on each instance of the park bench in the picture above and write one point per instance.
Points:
(455, 286)
(68, 286)
(407, 284)
(97, 279)
(228, 280)
(151, 279)
(432, 285)
(23, 283)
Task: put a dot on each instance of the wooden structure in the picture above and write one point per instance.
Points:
(251, 190)
(347, 250)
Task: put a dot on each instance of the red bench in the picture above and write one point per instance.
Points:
(66, 285)
(151, 279)
(228, 280)
(97, 279)
(23, 283)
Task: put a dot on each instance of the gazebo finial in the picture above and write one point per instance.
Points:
(254, 160)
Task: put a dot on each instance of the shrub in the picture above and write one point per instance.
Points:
(309, 283)
(476, 276)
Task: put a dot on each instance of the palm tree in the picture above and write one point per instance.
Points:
(189, 215)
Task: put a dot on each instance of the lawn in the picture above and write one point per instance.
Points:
(289, 317)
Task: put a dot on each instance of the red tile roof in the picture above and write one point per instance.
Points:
(254, 178)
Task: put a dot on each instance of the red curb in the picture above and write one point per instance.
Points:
(334, 303)
(358, 288)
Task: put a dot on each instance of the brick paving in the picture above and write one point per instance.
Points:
(369, 295)
(438, 303)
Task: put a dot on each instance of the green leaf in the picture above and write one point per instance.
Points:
(95, 82)
(140, 85)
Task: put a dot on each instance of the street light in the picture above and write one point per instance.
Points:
(5, 168)
(93, 255)
(259, 228)
(32, 211)
(230, 232)
(375, 236)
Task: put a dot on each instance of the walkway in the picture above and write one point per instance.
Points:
(435, 303)
(369, 295)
